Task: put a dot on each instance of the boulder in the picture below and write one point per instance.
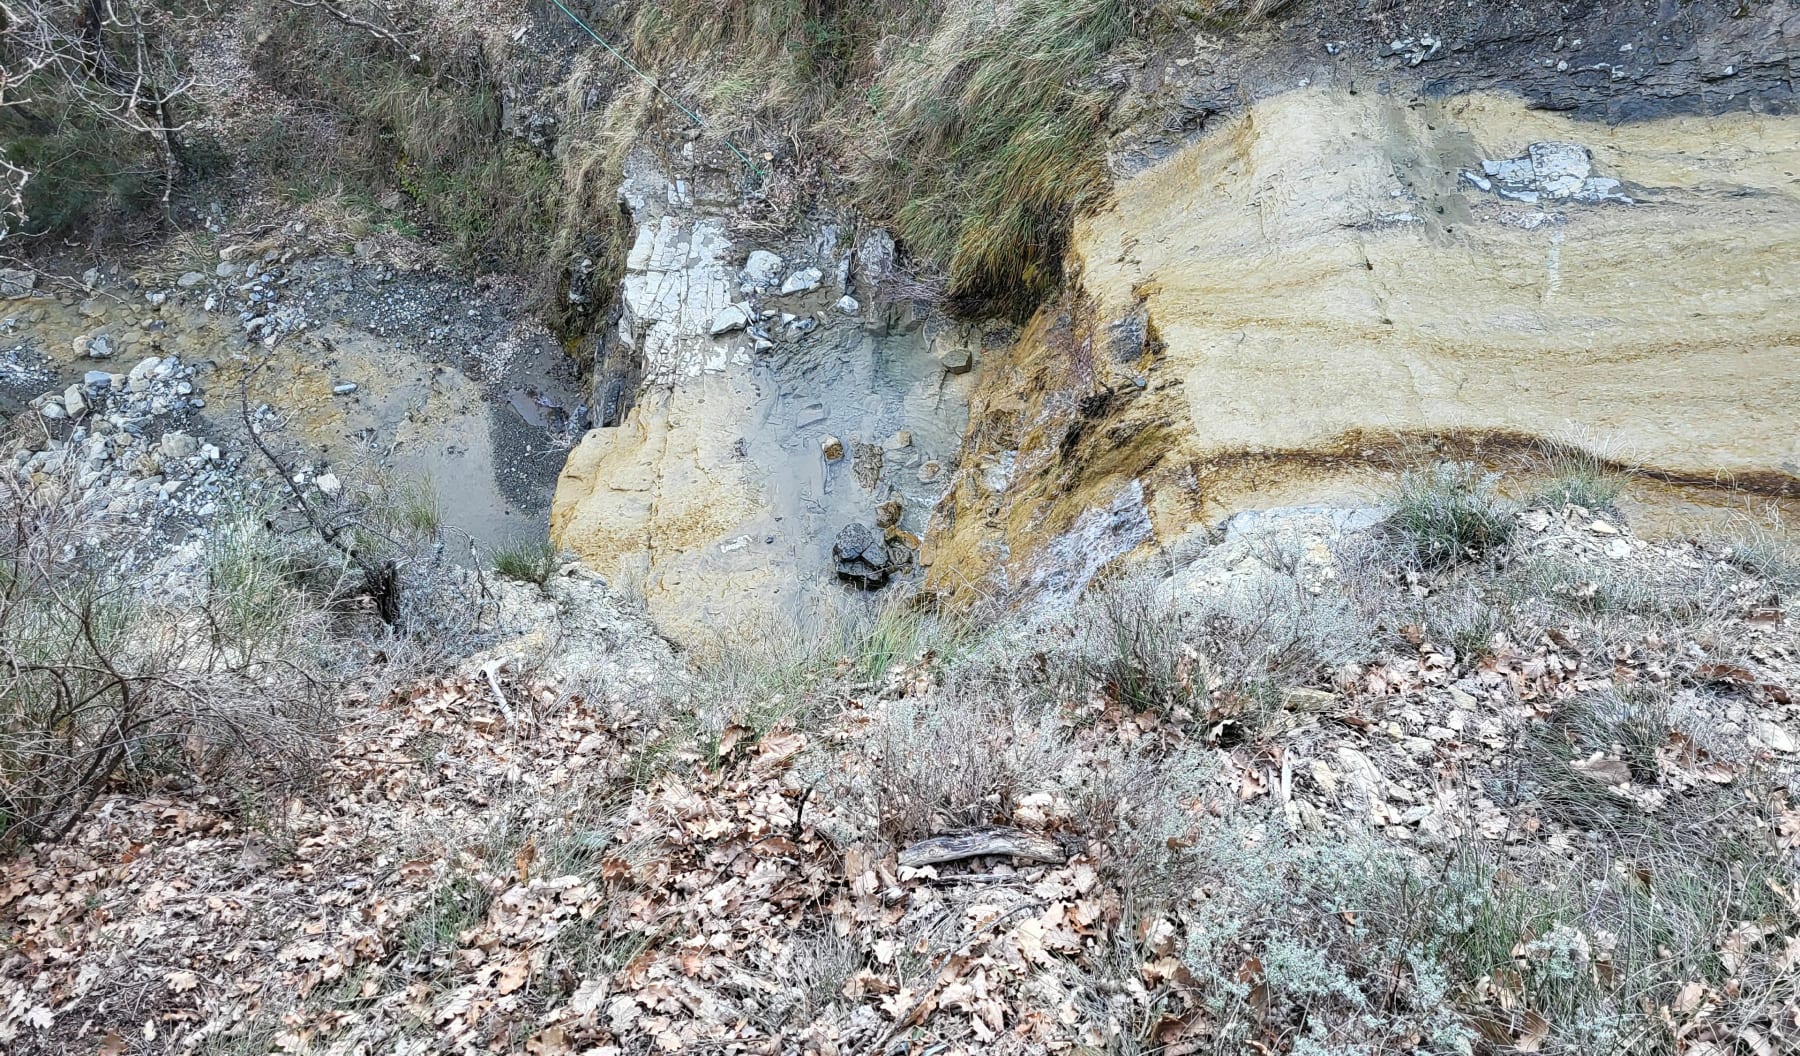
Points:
(958, 361)
(876, 255)
(861, 557)
(729, 318)
(762, 268)
(177, 445)
(94, 346)
(16, 282)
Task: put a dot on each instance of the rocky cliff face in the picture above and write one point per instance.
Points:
(772, 402)
(1339, 244)
(1333, 282)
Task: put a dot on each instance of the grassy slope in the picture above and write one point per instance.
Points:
(1533, 798)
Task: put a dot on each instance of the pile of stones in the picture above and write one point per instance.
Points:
(115, 438)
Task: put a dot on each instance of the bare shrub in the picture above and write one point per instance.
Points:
(1145, 808)
(1134, 645)
(1275, 631)
(230, 687)
(1222, 653)
(1348, 943)
(956, 759)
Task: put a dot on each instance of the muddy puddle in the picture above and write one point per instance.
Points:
(379, 376)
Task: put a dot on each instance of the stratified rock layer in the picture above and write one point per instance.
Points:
(1333, 279)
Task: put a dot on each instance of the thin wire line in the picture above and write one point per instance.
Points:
(651, 81)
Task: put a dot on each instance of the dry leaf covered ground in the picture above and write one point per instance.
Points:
(1308, 799)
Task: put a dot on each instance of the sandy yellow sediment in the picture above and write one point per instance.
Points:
(1328, 296)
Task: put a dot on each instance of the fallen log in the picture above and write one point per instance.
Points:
(976, 843)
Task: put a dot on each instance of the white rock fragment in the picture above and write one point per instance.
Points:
(803, 281)
(729, 318)
(1776, 737)
(762, 268)
(178, 445)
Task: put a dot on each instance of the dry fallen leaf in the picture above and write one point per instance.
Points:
(552, 1041)
(1534, 1030)
(1736, 948)
(1606, 771)
(588, 998)
(514, 974)
(1689, 998)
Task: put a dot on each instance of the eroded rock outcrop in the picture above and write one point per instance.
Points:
(1332, 281)
(767, 409)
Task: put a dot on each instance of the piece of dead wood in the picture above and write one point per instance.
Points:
(975, 843)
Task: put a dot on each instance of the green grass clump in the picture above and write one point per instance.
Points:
(981, 126)
(1449, 514)
(1769, 556)
(1578, 478)
(991, 141)
(529, 560)
(431, 935)
(900, 632)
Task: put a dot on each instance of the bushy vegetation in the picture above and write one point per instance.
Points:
(989, 140)
(1294, 817)
(976, 131)
(87, 179)
(227, 681)
(89, 118)
(391, 121)
(105, 682)
(376, 119)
